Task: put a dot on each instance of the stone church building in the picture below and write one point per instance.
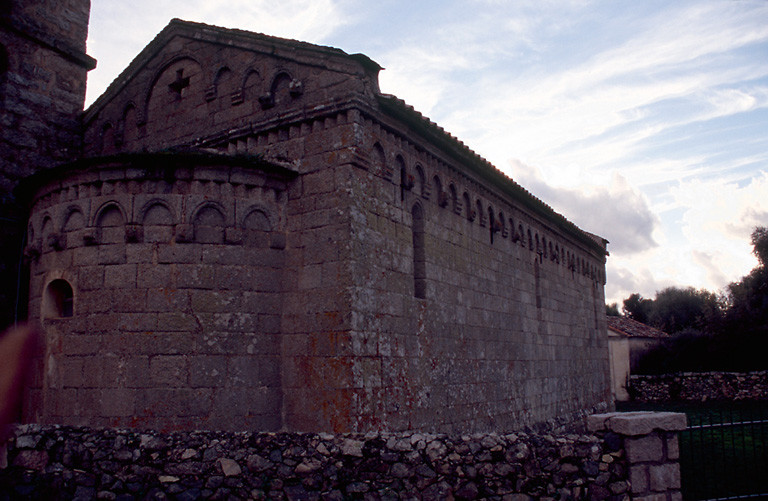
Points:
(245, 233)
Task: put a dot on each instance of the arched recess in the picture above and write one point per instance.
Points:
(108, 139)
(173, 98)
(380, 161)
(455, 202)
(209, 224)
(252, 87)
(256, 228)
(440, 196)
(130, 128)
(58, 300)
(405, 184)
(283, 89)
(226, 88)
(419, 253)
(74, 220)
(46, 232)
(157, 221)
(421, 188)
(468, 205)
(492, 223)
(480, 213)
(280, 87)
(110, 223)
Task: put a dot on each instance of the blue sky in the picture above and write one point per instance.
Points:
(643, 122)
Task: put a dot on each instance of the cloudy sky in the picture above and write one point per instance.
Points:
(644, 122)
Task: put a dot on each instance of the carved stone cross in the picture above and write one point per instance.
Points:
(180, 83)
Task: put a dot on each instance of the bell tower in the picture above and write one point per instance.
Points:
(43, 67)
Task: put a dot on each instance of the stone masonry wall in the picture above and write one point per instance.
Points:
(42, 89)
(82, 463)
(509, 330)
(194, 85)
(174, 274)
(420, 288)
(699, 386)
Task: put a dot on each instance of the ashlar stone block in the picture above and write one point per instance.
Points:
(664, 477)
(644, 449)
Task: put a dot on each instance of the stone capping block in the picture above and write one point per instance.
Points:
(637, 423)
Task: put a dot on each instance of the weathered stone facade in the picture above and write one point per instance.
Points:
(329, 259)
(42, 89)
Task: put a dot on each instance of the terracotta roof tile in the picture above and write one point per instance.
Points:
(633, 328)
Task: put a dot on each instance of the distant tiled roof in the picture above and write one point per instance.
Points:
(632, 328)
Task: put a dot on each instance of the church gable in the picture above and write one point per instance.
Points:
(196, 81)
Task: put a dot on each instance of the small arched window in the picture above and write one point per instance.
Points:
(59, 300)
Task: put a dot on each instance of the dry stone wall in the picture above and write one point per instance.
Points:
(699, 386)
(83, 463)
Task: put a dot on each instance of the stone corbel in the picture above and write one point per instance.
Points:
(33, 250)
(295, 88)
(90, 236)
(210, 93)
(134, 233)
(185, 233)
(266, 101)
(277, 241)
(233, 236)
(442, 199)
(57, 241)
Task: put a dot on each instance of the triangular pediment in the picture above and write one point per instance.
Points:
(195, 81)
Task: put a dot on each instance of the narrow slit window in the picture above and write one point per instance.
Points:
(419, 257)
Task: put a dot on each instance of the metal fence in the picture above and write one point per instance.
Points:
(724, 452)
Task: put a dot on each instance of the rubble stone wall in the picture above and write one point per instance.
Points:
(699, 386)
(83, 463)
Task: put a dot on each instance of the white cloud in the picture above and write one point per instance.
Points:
(707, 247)
(615, 211)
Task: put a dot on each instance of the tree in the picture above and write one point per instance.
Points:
(760, 244)
(748, 298)
(676, 309)
(612, 310)
(637, 308)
